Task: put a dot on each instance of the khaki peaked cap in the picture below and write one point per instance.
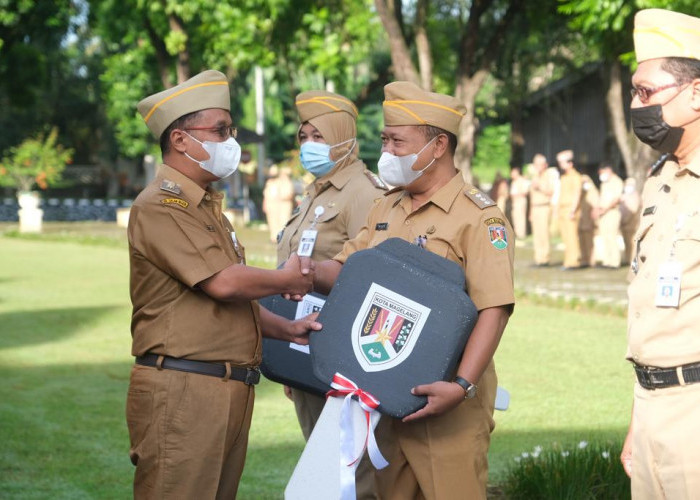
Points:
(209, 89)
(405, 103)
(315, 103)
(662, 33)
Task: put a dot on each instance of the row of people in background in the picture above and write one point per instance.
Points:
(590, 218)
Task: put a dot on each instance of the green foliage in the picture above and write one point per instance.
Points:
(39, 161)
(492, 152)
(586, 471)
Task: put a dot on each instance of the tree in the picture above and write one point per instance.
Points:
(469, 36)
(607, 27)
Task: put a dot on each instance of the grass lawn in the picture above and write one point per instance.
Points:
(64, 361)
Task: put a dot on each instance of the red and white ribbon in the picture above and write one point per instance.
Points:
(344, 387)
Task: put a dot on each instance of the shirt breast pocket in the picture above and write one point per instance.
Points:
(328, 216)
(443, 248)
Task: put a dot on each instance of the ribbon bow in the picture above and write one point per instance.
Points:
(344, 387)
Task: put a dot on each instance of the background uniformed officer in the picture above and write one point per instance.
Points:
(344, 190)
(440, 451)
(569, 208)
(195, 326)
(541, 191)
(661, 451)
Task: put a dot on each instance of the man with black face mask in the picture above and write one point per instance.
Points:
(660, 452)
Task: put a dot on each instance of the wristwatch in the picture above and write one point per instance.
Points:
(469, 388)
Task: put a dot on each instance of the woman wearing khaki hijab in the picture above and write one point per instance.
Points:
(342, 193)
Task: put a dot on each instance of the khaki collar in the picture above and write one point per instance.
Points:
(442, 198)
(340, 176)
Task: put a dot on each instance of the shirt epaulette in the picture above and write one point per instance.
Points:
(480, 199)
(376, 180)
(656, 167)
(170, 186)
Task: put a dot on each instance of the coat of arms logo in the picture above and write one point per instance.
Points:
(386, 328)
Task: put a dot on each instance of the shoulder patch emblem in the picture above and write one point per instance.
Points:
(176, 201)
(170, 187)
(376, 180)
(480, 199)
(497, 235)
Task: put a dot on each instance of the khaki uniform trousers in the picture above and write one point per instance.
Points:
(540, 219)
(585, 237)
(188, 433)
(443, 457)
(308, 408)
(569, 235)
(609, 229)
(665, 453)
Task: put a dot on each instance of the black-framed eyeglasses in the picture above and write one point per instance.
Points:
(644, 93)
(224, 131)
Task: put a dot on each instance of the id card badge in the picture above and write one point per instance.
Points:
(668, 284)
(306, 245)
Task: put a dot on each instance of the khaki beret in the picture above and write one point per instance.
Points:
(320, 102)
(407, 104)
(209, 89)
(662, 33)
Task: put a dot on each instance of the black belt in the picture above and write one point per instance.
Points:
(250, 376)
(652, 378)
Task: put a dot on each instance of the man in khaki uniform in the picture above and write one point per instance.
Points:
(587, 223)
(519, 188)
(440, 451)
(541, 190)
(278, 200)
(661, 451)
(195, 326)
(569, 208)
(344, 194)
(608, 215)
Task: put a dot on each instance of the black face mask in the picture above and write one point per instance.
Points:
(649, 126)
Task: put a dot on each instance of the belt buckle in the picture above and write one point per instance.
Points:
(644, 377)
(252, 376)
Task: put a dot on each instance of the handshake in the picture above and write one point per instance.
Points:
(300, 272)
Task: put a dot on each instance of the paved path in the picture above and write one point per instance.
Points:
(604, 286)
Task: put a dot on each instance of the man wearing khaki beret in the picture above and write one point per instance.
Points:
(440, 451)
(661, 452)
(195, 324)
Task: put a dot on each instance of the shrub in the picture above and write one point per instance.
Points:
(579, 472)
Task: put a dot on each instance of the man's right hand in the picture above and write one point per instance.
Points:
(301, 276)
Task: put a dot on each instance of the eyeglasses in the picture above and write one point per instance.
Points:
(224, 131)
(644, 93)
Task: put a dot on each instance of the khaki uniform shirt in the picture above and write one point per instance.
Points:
(461, 224)
(610, 190)
(346, 197)
(544, 182)
(667, 336)
(178, 238)
(570, 191)
(589, 201)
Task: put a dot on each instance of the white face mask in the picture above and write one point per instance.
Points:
(604, 177)
(223, 157)
(398, 171)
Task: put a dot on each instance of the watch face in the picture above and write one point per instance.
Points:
(471, 391)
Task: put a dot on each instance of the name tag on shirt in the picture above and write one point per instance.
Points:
(668, 284)
(306, 245)
(381, 226)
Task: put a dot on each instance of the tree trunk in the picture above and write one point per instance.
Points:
(637, 156)
(162, 56)
(400, 55)
(425, 59)
(183, 57)
(467, 89)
